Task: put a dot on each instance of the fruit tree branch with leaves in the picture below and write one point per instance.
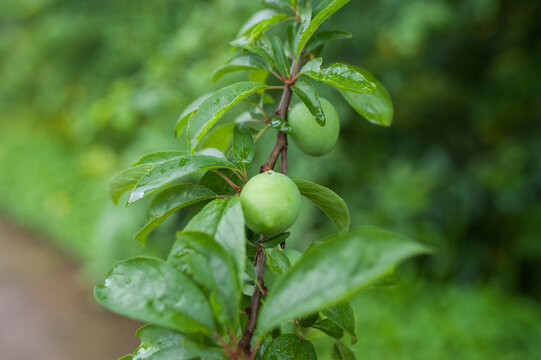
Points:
(230, 287)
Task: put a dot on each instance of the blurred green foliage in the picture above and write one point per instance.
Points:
(87, 87)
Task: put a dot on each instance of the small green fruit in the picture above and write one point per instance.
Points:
(310, 137)
(270, 202)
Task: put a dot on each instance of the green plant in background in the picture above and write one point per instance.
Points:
(230, 287)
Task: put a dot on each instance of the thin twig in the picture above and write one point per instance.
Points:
(228, 180)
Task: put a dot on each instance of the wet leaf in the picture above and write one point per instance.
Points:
(223, 220)
(215, 106)
(241, 63)
(282, 62)
(323, 15)
(151, 290)
(307, 93)
(333, 270)
(339, 75)
(243, 145)
(187, 113)
(158, 343)
(376, 108)
(172, 169)
(170, 200)
(260, 46)
(290, 347)
(280, 124)
(220, 275)
(328, 201)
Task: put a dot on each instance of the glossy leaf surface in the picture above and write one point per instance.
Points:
(317, 21)
(158, 343)
(170, 200)
(332, 271)
(223, 220)
(187, 113)
(173, 169)
(290, 347)
(329, 327)
(280, 124)
(243, 145)
(328, 201)
(282, 62)
(376, 108)
(307, 93)
(151, 290)
(339, 75)
(277, 261)
(220, 276)
(215, 106)
(241, 63)
(260, 46)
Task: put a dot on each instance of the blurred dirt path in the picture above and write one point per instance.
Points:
(47, 310)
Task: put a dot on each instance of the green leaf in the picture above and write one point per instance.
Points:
(342, 352)
(333, 270)
(170, 200)
(307, 93)
(305, 15)
(219, 138)
(265, 17)
(309, 320)
(126, 357)
(174, 168)
(187, 113)
(151, 290)
(339, 75)
(266, 24)
(126, 179)
(282, 62)
(223, 277)
(241, 63)
(243, 145)
(162, 344)
(317, 21)
(328, 201)
(217, 184)
(275, 240)
(329, 327)
(290, 347)
(277, 261)
(344, 317)
(280, 124)
(260, 46)
(223, 220)
(281, 4)
(376, 108)
(324, 37)
(215, 106)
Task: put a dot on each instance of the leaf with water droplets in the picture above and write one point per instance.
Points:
(290, 347)
(220, 279)
(339, 75)
(376, 108)
(170, 200)
(307, 93)
(333, 270)
(151, 290)
(190, 110)
(215, 106)
(126, 179)
(223, 220)
(158, 343)
(173, 169)
(328, 201)
(321, 16)
(243, 145)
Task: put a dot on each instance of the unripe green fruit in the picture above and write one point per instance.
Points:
(309, 136)
(270, 202)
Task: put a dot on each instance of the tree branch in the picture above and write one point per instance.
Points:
(280, 148)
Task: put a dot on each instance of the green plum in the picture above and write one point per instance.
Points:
(270, 202)
(309, 136)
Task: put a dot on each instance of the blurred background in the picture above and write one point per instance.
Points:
(86, 87)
